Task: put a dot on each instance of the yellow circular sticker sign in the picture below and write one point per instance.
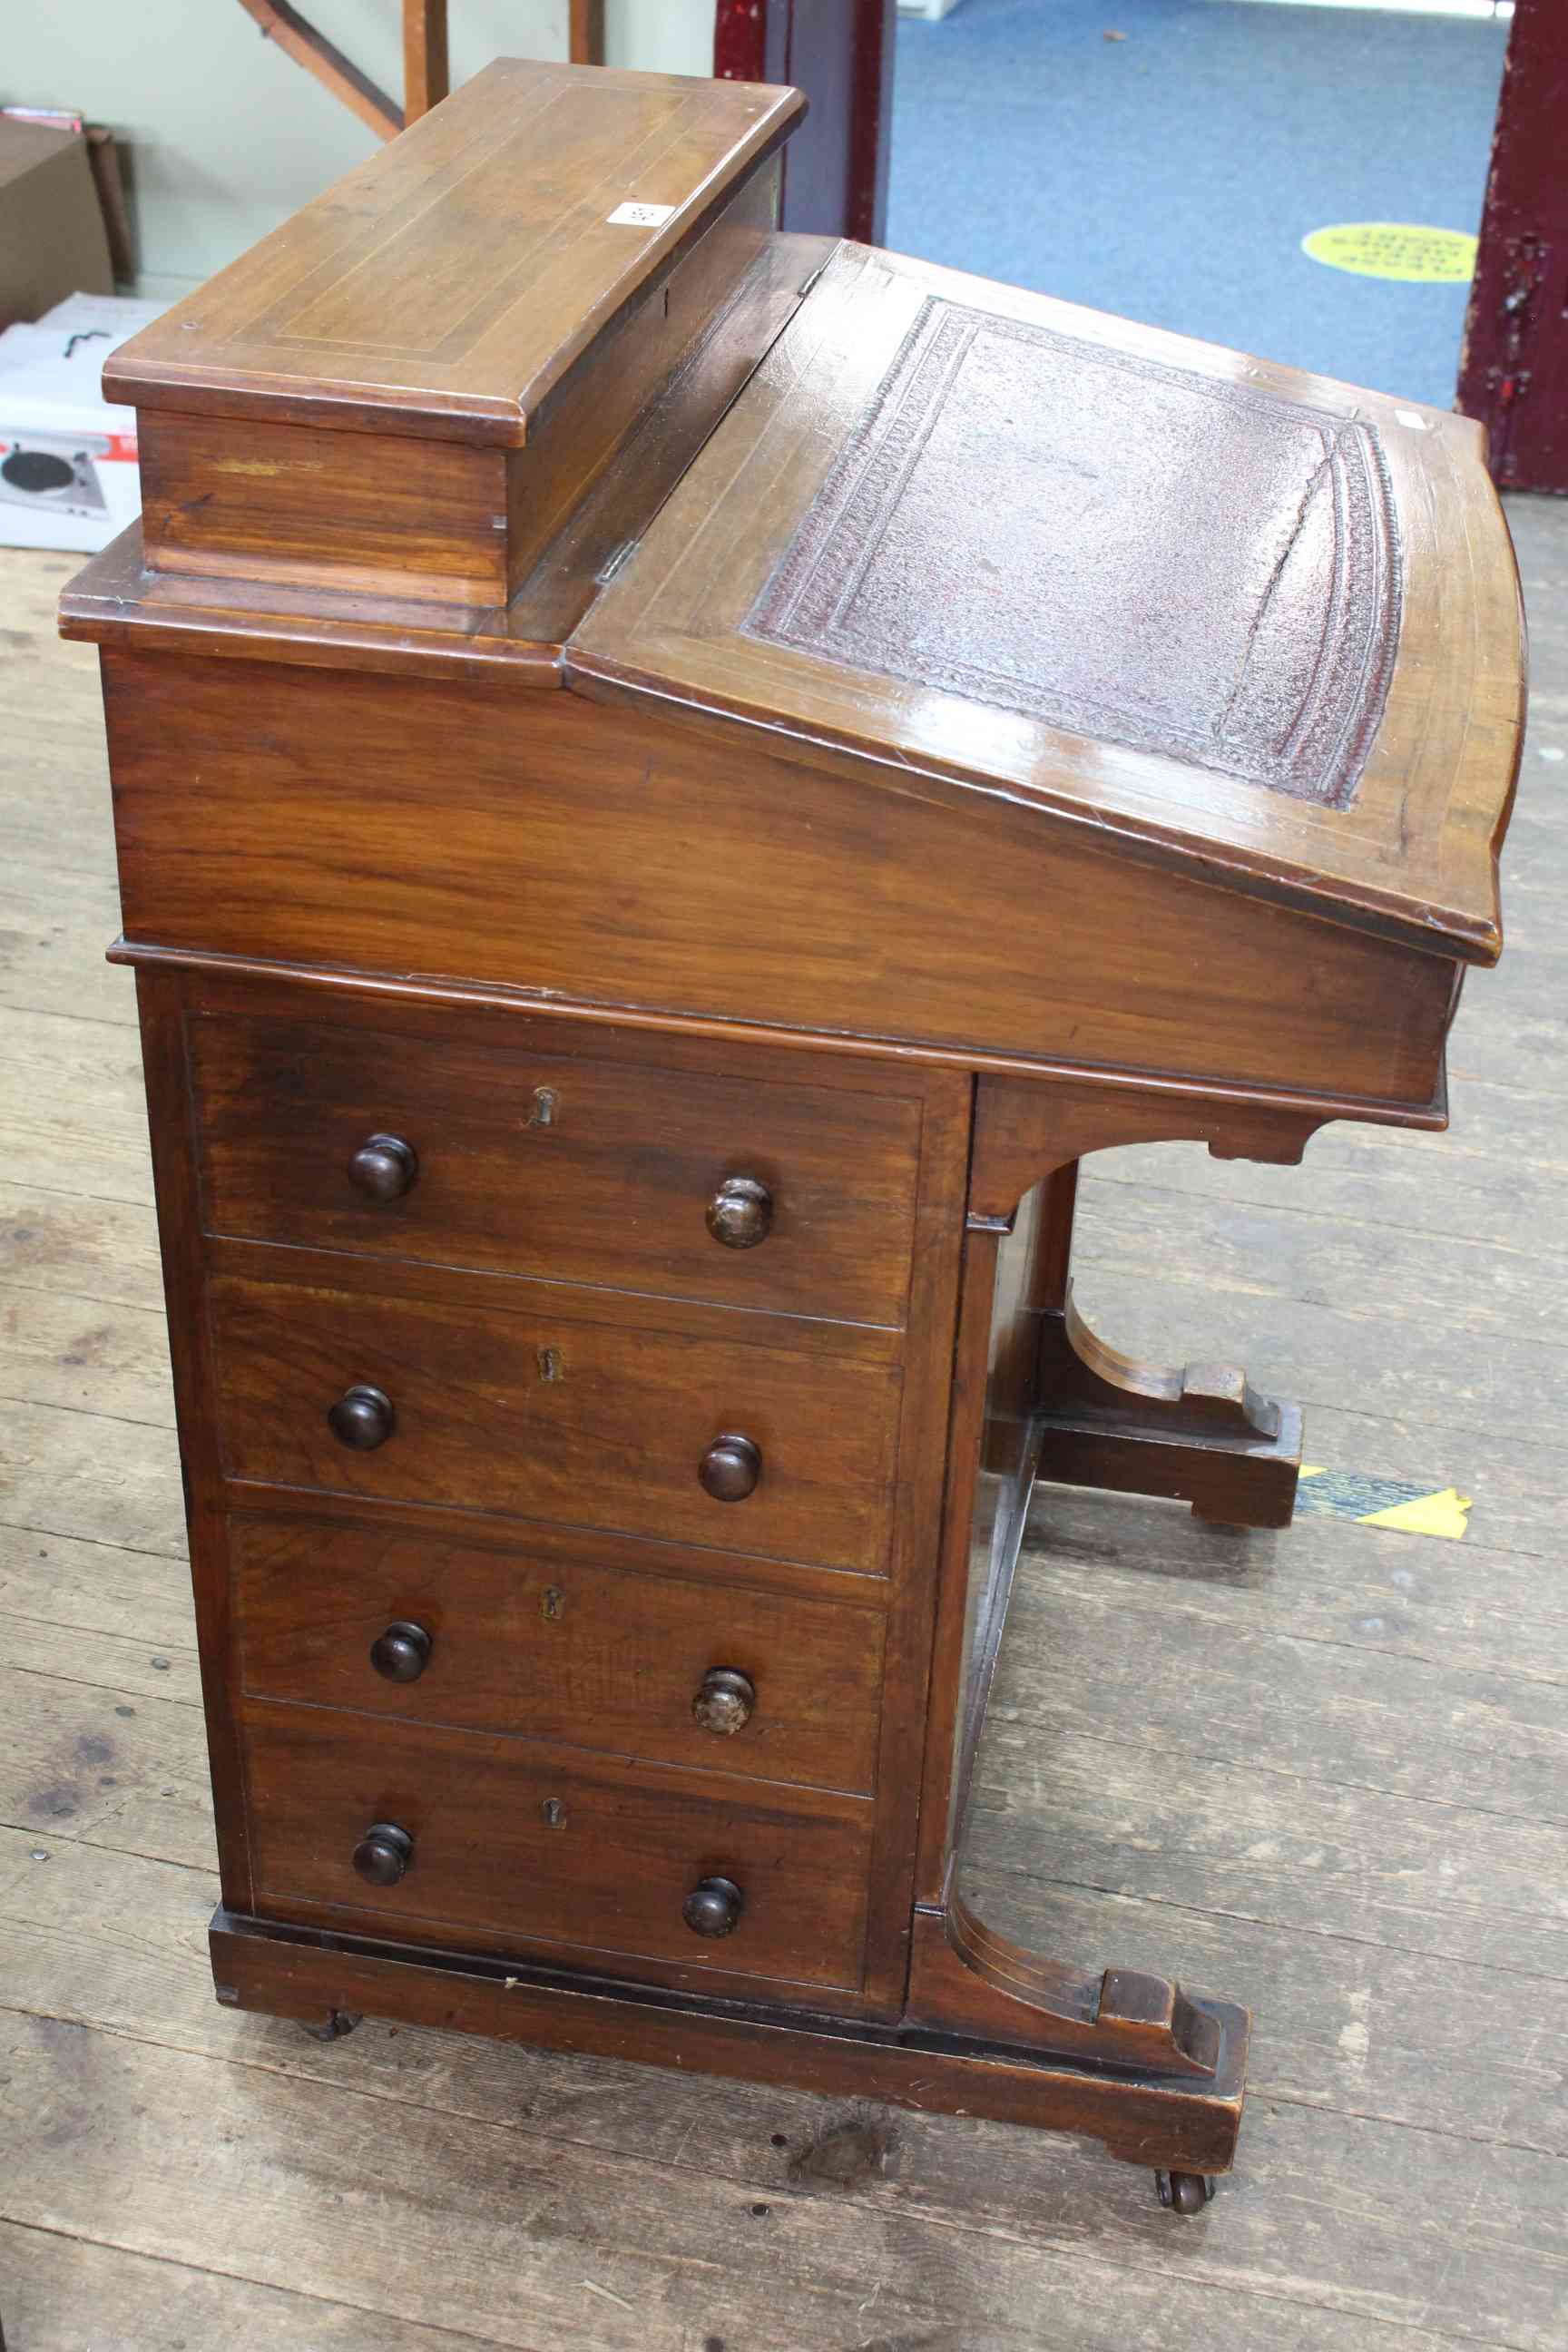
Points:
(1431, 257)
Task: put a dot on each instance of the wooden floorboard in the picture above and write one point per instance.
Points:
(1322, 1771)
(60, 2291)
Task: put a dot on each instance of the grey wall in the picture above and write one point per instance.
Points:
(227, 137)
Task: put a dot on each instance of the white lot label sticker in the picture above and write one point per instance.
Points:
(641, 216)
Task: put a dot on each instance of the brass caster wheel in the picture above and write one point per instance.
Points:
(1184, 2192)
(334, 2026)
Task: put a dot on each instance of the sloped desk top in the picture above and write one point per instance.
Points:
(1253, 622)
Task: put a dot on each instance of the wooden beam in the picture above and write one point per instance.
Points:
(585, 44)
(301, 41)
(426, 73)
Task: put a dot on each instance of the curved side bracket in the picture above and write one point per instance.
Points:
(1037, 1393)
(1024, 1131)
(1214, 1401)
(969, 1979)
(1203, 1435)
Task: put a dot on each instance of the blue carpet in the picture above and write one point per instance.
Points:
(1172, 175)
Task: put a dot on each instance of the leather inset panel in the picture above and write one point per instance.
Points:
(1132, 552)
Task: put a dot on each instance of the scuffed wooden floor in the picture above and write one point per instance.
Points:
(1323, 1772)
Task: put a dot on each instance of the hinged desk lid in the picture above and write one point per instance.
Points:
(448, 285)
(1246, 618)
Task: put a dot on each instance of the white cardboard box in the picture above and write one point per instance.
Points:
(68, 459)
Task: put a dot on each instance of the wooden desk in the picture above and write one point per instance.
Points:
(671, 782)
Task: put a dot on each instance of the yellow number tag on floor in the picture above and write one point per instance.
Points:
(1431, 257)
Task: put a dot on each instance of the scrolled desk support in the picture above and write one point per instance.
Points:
(1202, 1434)
(1037, 1395)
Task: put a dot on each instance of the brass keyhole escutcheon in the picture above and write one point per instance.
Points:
(553, 1813)
(552, 1604)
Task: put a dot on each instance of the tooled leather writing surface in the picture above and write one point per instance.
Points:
(1124, 550)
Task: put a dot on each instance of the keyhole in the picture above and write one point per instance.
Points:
(552, 1603)
(550, 1365)
(553, 1813)
(546, 1102)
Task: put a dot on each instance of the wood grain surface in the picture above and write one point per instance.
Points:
(528, 1643)
(231, 614)
(1102, 540)
(608, 1873)
(309, 508)
(607, 1181)
(839, 899)
(371, 299)
(559, 1408)
(1337, 1858)
(407, 519)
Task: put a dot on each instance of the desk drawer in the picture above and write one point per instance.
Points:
(515, 1841)
(546, 1415)
(578, 1171)
(603, 1658)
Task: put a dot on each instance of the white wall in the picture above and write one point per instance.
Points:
(227, 136)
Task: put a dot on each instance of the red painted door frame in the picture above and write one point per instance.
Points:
(1513, 370)
(840, 52)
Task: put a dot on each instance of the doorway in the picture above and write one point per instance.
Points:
(1166, 159)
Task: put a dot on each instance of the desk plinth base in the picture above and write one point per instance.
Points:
(1231, 1482)
(1184, 2127)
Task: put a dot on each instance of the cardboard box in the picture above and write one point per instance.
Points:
(52, 238)
(68, 460)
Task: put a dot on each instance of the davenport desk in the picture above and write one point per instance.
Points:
(671, 780)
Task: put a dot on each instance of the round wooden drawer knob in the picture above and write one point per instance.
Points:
(383, 1853)
(731, 1468)
(402, 1653)
(741, 1214)
(724, 1700)
(713, 1907)
(384, 1168)
(361, 1418)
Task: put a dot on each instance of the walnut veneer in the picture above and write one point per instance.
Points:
(671, 780)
